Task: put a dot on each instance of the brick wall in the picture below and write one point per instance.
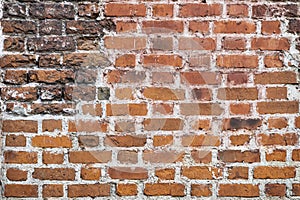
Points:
(144, 98)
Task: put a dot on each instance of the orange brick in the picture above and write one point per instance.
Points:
(267, 172)
(276, 155)
(51, 142)
(238, 190)
(271, 44)
(162, 140)
(126, 27)
(270, 27)
(164, 189)
(277, 123)
(237, 10)
(240, 108)
(165, 174)
(277, 93)
(126, 189)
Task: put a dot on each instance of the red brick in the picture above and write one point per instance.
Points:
(160, 26)
(238, 173)
(200, 78)
(234, 27)
(204, 124)
(87, 126)
(278, 107)
(162, 43)
(51, 142)
(275, 190)
(15, 141)
(277, 93)
(126, 60)
(231, 43)
(135, 173)
(51, 125)
(91, 190)
(89, 156)
(277, 123)
(14, 174)
(203, 173)
(240, 109)
(20, 157)
(199, 26)
(127, 156)
(126, 26)
(165, 173)
(200, 140)
(286, 77)
(233, 156)
(53, 190)
(278, 139)
(125, 43)
(237, 10)
(201, 190)
(162, 77)
(164, 189)
(53, 158)
(267, 172)
(276, 155)
(238, 190)
(126, 109)
(296, 189)
(125, 140)
(237, 94)
(297, 122)
(237, 78)
(162, 108)
(54, 174)
(201, 156)
(200, 109)
(194, 43)
(237, 61)
(90, 173)
(163, 93)
(162, 10)
(118, 76)
(272, 44)
(150, 156)
(125, 10)
(162, 140)
(239, 140)
(270, 27)
(20, 190)
(200, 10)
(273, 60)
(296, 155)
(126, 189)
(153, 60)
(165, 124)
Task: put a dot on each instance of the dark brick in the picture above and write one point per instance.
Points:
(238, 123)
(50, 11)
(18, 26)
(294, 26)
(86, 76)
(239, 156)
(14, 44)
(77, 92)
(14, 10)
(103, 93)
(49, 60)
(89, 27)
(51, 44)
(17, 61)
(50, 93)
(52, 108)
(50, 27)
(79, 60)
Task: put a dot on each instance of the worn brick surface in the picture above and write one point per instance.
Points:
(141, 99)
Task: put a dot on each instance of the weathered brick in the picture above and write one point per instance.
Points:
(237, 10)
(53, 27)
(237, 61)
(17, 61)
(53, 190)
(161, 26)
(238, 190)
(90, 173)
(51, 142)
(278, 107)
(29, 126)
(267, 172)
(234, 27)
(89, 10)
(126, 189)
(201, 109)
(163, 189)
(276, 155)
(14, 44)
(233, 156)
(150, 156)
(275, 190)
(201, 190)
(18, 27)
(165, 124)
(125, 43)
(20, 157)
(162, 60)
(88, 27)
(163, 93)
(278, 139)
(88, 190)
(271, 44)
(20, 190)
(14, 174)
(203, 173)
(270, 27)
(54, 174)
(163, 10)
(200, 10)
(286, 77)
(238, 173)
(200, 140)
(135, 173)
(52, 158)
(238, 123)
(237, 94)
(187, 43)
(59, 43)
(89, 156)
(125, 10)
(50, 11)
(15, 140)
(125, 141)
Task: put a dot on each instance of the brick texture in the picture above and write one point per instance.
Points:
(141, 99)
